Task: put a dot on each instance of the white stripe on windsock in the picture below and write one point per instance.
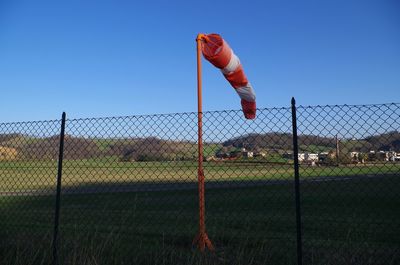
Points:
(246, 93)
(233, 64)
(217, 50)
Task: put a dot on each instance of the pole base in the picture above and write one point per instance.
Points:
(202, 241)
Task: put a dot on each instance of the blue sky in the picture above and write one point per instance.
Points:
(111, 58)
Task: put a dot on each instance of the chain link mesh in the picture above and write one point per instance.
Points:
(28, 169)
(129, 188)
(350, 172)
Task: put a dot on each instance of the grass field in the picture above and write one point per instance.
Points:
(41, 175)
(354, 221)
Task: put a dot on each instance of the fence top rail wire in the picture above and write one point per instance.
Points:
(348, 105)
(194, 113)
(25, 123)
(177, 114)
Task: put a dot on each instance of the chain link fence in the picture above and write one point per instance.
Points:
(129, 188)
(350, 183)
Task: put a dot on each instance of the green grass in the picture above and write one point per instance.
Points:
(36, 175)
(345, 222)
(357, 219)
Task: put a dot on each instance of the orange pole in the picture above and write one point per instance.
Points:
(201, 239)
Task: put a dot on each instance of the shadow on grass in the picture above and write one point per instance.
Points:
(351, 221)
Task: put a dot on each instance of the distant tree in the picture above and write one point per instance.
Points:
(153, 149)
(387, 141)
(47, 148)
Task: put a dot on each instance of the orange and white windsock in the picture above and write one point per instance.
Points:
(217, 51)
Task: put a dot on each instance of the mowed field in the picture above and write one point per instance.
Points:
(351, 214)
(22, 176)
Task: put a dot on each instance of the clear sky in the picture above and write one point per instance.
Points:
(111, 58)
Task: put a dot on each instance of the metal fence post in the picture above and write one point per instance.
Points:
(58, 194)
(297, 185)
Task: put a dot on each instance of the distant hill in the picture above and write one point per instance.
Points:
(386, 142)
(14, 140)
(129, 149)
(261, 141)
(312, 143)
(29, 147)
(7, 137)
(152, 149)
(156, 149)
(47, 148)
(279, 141)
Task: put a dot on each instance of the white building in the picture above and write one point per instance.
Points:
(310, 157)
(392, 156)
(354, 154)
(248, 154)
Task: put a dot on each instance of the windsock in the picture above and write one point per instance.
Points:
(217, 51)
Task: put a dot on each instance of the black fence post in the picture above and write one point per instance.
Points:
(58, 194)
(297, 185)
